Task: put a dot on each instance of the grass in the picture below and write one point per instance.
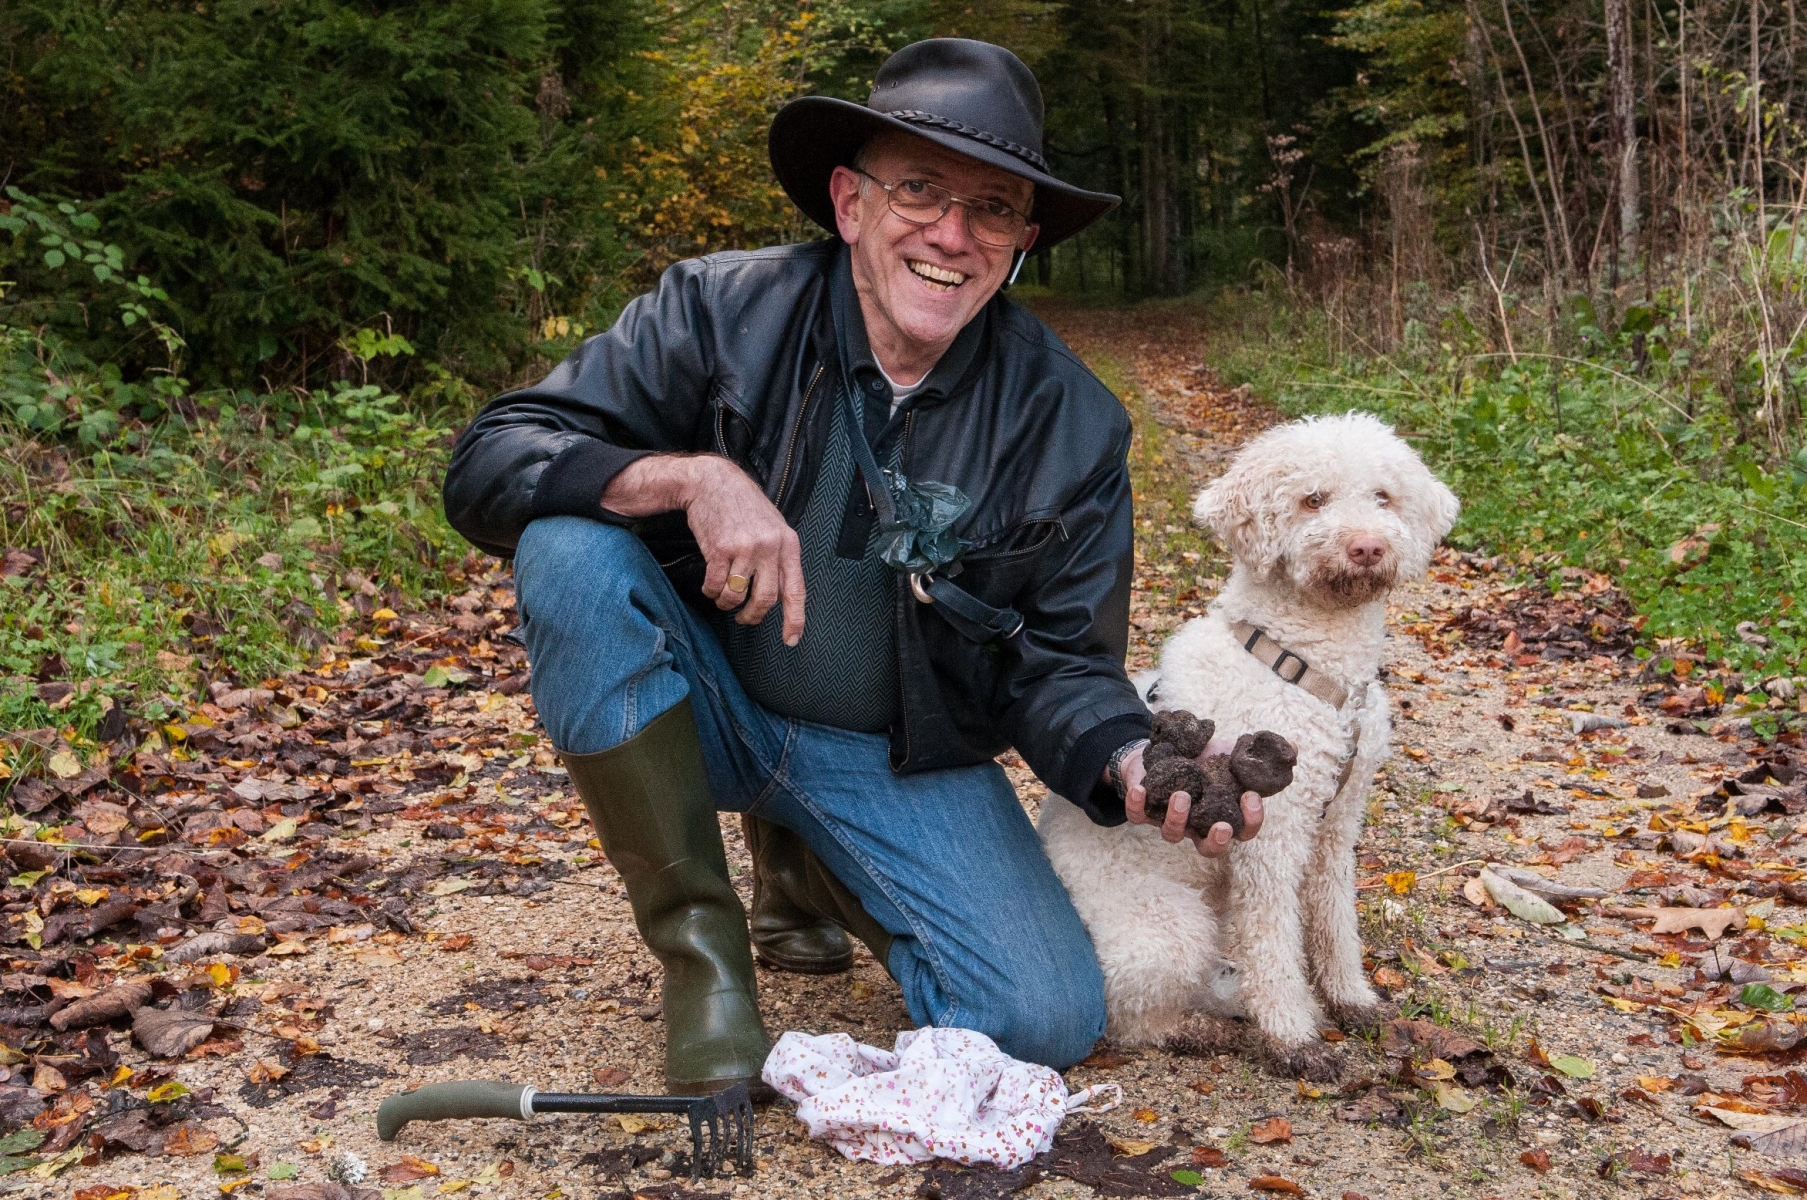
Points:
(1615, 458)
(224, 540)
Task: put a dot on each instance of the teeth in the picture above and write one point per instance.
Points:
(939, 278)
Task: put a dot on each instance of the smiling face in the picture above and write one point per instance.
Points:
(920, 284)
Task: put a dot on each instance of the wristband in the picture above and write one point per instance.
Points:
(1114, 768)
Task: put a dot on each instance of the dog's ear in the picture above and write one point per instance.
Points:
(1429, 510)
(1237, 508)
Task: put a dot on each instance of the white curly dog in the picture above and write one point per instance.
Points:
(1322, 517)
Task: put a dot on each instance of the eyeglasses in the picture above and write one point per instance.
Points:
(923, 203)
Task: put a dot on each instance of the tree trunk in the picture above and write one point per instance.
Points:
(1624, 124)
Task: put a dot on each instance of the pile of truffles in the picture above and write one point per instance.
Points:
(1261, 763)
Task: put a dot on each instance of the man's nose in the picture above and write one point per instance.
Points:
(953, 231)
(1367, 550)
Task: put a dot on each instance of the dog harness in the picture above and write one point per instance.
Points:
(1296, 670)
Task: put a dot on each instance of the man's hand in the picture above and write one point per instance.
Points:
(751, 552)
(1173, 828)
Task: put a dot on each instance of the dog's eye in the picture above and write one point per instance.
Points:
(1382, 499)
(1314, 501)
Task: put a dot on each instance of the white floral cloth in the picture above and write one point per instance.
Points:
(942, 1093)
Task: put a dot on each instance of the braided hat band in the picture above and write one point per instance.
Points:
(918, 117)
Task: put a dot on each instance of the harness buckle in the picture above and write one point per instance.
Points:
(916, 586)
(1296, 675)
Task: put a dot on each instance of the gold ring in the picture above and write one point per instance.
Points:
(738, 583)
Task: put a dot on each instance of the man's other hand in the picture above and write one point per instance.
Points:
(752, 555)
(1173, 828)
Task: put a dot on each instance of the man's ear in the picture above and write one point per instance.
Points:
(1030, 233)
(844, 191)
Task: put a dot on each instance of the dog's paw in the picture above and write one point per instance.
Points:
(1315, 1061)
(1361, 1019)
(1204, 1034)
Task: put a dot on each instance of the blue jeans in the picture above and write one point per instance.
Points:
(947, 861)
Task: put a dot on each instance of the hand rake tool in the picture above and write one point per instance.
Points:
(720, 1125)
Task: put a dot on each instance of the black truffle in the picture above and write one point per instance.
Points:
(1263, 762)
(1216, 794)
(1184, 732)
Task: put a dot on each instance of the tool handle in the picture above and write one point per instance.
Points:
(464, 1098)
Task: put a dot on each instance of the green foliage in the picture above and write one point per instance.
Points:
(224, 533)
(1577, 459)
(291, 174)
(1410, 92)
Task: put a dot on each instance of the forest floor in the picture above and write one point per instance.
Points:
(414, 898)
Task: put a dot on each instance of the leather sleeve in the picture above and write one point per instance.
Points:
(551, 449)
(1070, 704)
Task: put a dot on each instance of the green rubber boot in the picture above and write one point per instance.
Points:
(650, 800)
(787, 936)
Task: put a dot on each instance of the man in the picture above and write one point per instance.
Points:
(747, 581)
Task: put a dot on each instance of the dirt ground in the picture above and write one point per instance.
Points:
(1529, 1059)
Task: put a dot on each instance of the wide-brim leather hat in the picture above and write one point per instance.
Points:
(973, 98)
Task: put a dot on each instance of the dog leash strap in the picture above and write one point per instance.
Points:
(1289, 666)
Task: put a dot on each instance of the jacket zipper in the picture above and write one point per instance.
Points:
(790, 450)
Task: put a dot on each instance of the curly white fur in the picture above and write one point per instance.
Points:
(1322, 517)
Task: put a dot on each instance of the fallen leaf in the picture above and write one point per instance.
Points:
(1275, 1183)
(610, 1076)
(409, 1169)
(1400, 881)
(63, 764)
(1754, 995)
(632, 1124)
(378, 956)
(1711, 921)
(447, 887)
(1146, 1114)
(1437, 1068)
(1784, 1141)
(457, 941)
(1475, 892)
(1209, 1156)
(1573, 1067)
(1753, 1122)
(110, 1004)
(266, 1072)
(1760, 1037)
(170, 1032)
(1129, 1147)
(189, 1139)
(1537, 1160)
(1520, 902)
(1455, 1099)
(1273, 1129)
(1785, 1180)
(1106, 1060)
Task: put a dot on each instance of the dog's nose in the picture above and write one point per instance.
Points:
(1367, 551)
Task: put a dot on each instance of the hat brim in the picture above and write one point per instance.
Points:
(812, 135)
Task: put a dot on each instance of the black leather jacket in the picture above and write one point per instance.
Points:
(735, 354)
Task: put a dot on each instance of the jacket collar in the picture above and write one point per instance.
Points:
(857, 362)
